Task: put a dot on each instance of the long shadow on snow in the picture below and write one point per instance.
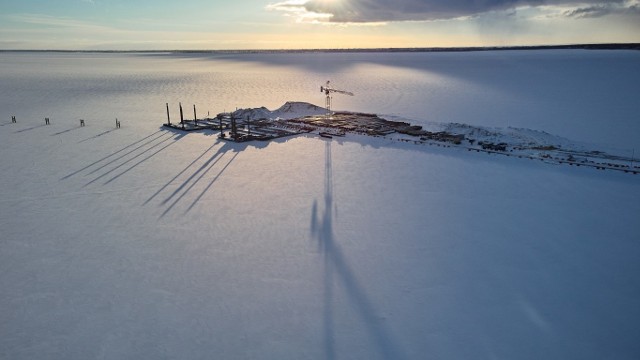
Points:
(97, 136)
(158, 141)
(215, 178)
(175, 140)
(178, 174)
(29, 129)
(66, 131)
(336, 266)
(126, 154)
(448, 64)
(194, 178)
(108, 156)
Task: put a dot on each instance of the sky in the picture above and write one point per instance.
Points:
(311, 24)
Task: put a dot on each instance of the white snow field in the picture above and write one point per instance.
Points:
(144, 243)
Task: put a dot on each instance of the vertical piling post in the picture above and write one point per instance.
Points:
(168, 118)
(181, 116)
(195, 118)
(234, 132)
(13, 119)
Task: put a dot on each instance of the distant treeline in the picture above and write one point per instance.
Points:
(612, 46)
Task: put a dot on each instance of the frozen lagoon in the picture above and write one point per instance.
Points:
(142, 243)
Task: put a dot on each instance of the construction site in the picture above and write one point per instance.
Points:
(296, 118)
(241, 130)
(249, 124)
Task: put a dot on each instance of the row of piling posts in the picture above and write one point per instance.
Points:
(47, 121)
(195, 115)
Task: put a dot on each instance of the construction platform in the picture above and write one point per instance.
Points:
(337, 124)
(340, 123)
(243, 130)
(195, 125)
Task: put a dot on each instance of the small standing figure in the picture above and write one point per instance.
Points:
(81, 122)
(13, 119)
(46, 121)
(117, 124)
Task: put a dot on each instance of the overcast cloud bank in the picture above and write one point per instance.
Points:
(375, 11)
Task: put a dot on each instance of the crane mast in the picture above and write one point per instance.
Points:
(328, 90)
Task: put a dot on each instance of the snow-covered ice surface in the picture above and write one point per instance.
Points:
(145, 243)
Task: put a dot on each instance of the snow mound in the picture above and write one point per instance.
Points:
(513, 136)
(290, 110)
(253, 114)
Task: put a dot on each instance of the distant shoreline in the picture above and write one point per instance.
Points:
(609, 46)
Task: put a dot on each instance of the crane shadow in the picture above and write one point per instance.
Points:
(337, 270)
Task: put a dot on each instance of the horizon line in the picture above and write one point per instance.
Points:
(588, 46)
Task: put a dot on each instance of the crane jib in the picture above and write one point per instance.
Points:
(328, 90)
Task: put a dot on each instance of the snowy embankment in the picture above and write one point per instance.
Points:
(522, 143)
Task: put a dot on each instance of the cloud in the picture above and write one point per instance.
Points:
(599, 10)
(54, 21)
(366, 11)
(297, 9)
(588, 12)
